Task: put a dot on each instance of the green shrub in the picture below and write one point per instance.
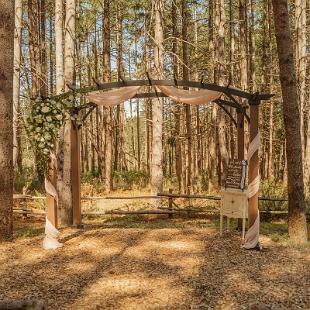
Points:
(130, 179)
(273, 189)
(27, 181)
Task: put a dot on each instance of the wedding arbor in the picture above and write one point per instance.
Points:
(114, 93)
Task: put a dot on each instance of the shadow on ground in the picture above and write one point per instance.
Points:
(184, 267)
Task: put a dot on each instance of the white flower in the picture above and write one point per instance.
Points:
(49, 118)
(59, 117)
(58, 106)
(55, 111)
(47, 136)
(41, 145)
(46, 151)
(38, 129)
(71, 97)
(39, 120)
(45, 109)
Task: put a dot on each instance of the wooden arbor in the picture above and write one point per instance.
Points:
(230, 100)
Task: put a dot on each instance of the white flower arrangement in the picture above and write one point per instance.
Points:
(45, 118)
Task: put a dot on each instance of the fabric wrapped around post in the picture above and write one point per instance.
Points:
(252, 235)
(113, 97)
(51, 233)
(191, 97)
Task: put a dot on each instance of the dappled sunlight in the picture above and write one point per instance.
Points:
(139, 268)
(240, 280)
(128, 291)
(187, 266)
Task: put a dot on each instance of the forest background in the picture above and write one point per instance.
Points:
(225, 42)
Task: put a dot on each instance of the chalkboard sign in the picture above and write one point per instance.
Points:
(236, 173)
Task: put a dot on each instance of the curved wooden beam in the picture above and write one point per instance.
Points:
(225, 90)
(227, 112)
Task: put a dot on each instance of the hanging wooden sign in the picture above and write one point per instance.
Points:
(236, 174)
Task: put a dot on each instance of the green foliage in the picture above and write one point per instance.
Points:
(129, 179)
(27, 180)
(273, 189)
(204, 181)
(89, 177)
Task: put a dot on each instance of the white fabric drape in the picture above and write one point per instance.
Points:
(51, 232)
(252, 235)
(113, 97)
(192, 97)
(116, 96)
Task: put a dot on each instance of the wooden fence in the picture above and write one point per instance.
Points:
(172, 208)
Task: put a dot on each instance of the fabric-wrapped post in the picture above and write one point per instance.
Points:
(252, 235)
(51, 233)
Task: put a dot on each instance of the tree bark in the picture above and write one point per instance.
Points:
(296, 203)
(178, 146)
(59, 55)
(157, 143)
(17, 150)
(66, 201)
(43, 54)
(214, 130)
(301, 70)
(108, 113)
(6, 117)
(185, 20)
(220, 20)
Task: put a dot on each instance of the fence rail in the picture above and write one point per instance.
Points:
(159, 196)
(172, 208)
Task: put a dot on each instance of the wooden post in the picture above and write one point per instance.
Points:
(76, 175)
(240, 134)
(51, 203)
(253, 164)
(170, 203)
(240, 146)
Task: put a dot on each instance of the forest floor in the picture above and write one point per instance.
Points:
(153, 263)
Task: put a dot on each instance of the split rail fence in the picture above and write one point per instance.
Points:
(171, 209)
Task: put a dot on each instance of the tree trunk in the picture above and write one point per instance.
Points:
(17, 150)
(6, 116)
(66, 202)
(157, 143)
(185, 20)
(178, 147)
(296, 204)
(213, 136)
(220, 79)
(301, 70)
(43, 55)
(59, 55)
(108, 113)
(243, 47)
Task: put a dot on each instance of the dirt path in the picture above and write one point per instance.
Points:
(191, 268)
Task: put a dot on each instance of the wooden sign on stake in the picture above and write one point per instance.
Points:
(236, 174)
